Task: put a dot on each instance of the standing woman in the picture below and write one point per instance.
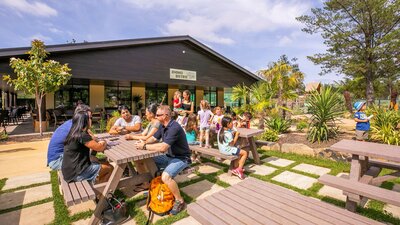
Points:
(76, 164)
(151, 129)
(187, 105)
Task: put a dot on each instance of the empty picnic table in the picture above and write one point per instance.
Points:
(122, 154)
(254, 202)
(364, 172)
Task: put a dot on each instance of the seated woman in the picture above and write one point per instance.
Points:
(76, 165)
(127, 123)
(151, 129)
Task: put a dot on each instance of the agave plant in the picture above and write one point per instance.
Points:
(278, 124)
(384, 126)
(325, 107)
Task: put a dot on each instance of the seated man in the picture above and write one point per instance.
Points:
(127, 123)
(177, 157)
(56, 146)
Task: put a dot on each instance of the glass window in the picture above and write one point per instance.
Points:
(228, 98)
(156, 93)
(117, 93)
(210, 94)
(70, 94)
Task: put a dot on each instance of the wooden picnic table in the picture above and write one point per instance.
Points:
(364, 172)
(256, 202)
(122, 154)
(249, 134)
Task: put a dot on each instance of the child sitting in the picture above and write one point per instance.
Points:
(204, 116)
(177, 101)
(227, 139)
(245, 120)
(191, 131)
(234, 120)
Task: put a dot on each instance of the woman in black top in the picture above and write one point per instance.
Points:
(76, 164)
(187, 105)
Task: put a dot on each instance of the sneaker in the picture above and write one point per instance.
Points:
(178, 206)
(235, 172)
(207, 146)
(241, 174)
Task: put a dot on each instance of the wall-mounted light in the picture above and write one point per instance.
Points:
(183, 51)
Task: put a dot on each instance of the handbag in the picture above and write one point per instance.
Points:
(116, 211)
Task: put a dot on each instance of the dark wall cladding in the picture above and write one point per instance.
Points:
(149, 63)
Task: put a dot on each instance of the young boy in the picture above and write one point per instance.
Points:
(362, 126)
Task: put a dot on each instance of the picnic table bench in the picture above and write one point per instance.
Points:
(214, 152)
(75, 192)
(364, 172)
(254, 202)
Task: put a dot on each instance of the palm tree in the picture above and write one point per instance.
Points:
(241, 92)
(261, 99)
(286, 78)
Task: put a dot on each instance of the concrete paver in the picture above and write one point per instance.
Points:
(18, 181)
(229, 179)
(185, 177)
(394, 210)
(334, 192)
(317, 170)
(23, 158)
(278, 161)
(81, 207)
(22, 197)
(259, 169)
(38, 215)
(187, 221)
(294, 179)
(208, 168)
(201, 189)
(130, 221)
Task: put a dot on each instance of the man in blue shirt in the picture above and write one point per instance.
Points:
(56, 146)
(177, 156)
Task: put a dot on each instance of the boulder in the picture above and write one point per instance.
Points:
(301, 149)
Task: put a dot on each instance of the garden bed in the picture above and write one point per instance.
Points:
(301, 138)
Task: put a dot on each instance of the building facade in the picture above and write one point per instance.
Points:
(111, 73)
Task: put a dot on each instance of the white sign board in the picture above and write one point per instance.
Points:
(178, 74)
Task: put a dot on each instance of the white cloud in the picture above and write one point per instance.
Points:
(35, 8)
(213, 20)
(41, 37)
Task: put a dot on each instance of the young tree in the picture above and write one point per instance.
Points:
(362, 37)
(37, 75)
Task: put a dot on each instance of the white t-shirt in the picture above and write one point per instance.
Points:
(121, 122)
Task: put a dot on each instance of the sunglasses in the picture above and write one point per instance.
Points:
(160, 114)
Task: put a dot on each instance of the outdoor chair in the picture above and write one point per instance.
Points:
(13, 117)
(58, 118)
(3, 114)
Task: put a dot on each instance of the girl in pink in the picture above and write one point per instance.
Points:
(204, 116)
(177, 101)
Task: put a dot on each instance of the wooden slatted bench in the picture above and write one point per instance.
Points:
(75, 192)
(256, 202)
(214, 152)
(363, 189)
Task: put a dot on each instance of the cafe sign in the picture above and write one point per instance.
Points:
(178, 74)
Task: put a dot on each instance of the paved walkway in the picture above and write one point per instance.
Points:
(24, 166)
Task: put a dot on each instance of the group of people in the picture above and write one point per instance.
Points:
(70, 146)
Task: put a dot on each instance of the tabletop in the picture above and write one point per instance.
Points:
(125, 150)
(369, 149)
(246, 132)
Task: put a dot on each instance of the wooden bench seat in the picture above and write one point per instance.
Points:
(75, 192)
(363, 189)
(255, 202)
(214, 152)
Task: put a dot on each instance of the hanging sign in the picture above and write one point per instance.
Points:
(178, 74)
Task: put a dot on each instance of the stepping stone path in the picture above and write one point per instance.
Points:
(14, 182)
(185, 177)
(187, 221)
(23, 197)
(131, 221)
(317, 170)
(39, 214)
(229, 179)
(208, 168)
(201, 189)
(260, 170)
(278, 161)
(294, 179)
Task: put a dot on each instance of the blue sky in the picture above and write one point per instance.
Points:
(251, 33)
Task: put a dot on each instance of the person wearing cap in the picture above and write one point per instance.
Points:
(363, 125)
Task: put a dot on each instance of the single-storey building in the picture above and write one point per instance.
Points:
(108, 73)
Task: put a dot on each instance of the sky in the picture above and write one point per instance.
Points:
(252, 33)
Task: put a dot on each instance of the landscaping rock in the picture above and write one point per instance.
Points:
(296, 180)
(333, 155)
(278, 161)
(22, 197)
(298, 149)
(201, 189)
(271, 146)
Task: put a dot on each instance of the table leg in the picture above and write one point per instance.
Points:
(355, 174)
(146, 166)
(253, 149)
(110, 187)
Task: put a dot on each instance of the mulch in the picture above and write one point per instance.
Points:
(301, 138)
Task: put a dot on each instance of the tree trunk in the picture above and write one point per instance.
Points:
(347, 98)
(280, 98)
(370, 90)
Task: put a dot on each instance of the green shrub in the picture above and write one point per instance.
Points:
(300, 126)
(325, 107)
(384, 125)
(270, 135)
(278, 124)
(114, 116)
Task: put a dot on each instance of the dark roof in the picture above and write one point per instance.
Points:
(13, 52)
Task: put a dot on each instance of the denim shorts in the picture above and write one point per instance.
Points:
(89, 173)
(56, 164)
(172, 166)
(206, 128)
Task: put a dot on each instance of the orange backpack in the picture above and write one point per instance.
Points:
(160, 199)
